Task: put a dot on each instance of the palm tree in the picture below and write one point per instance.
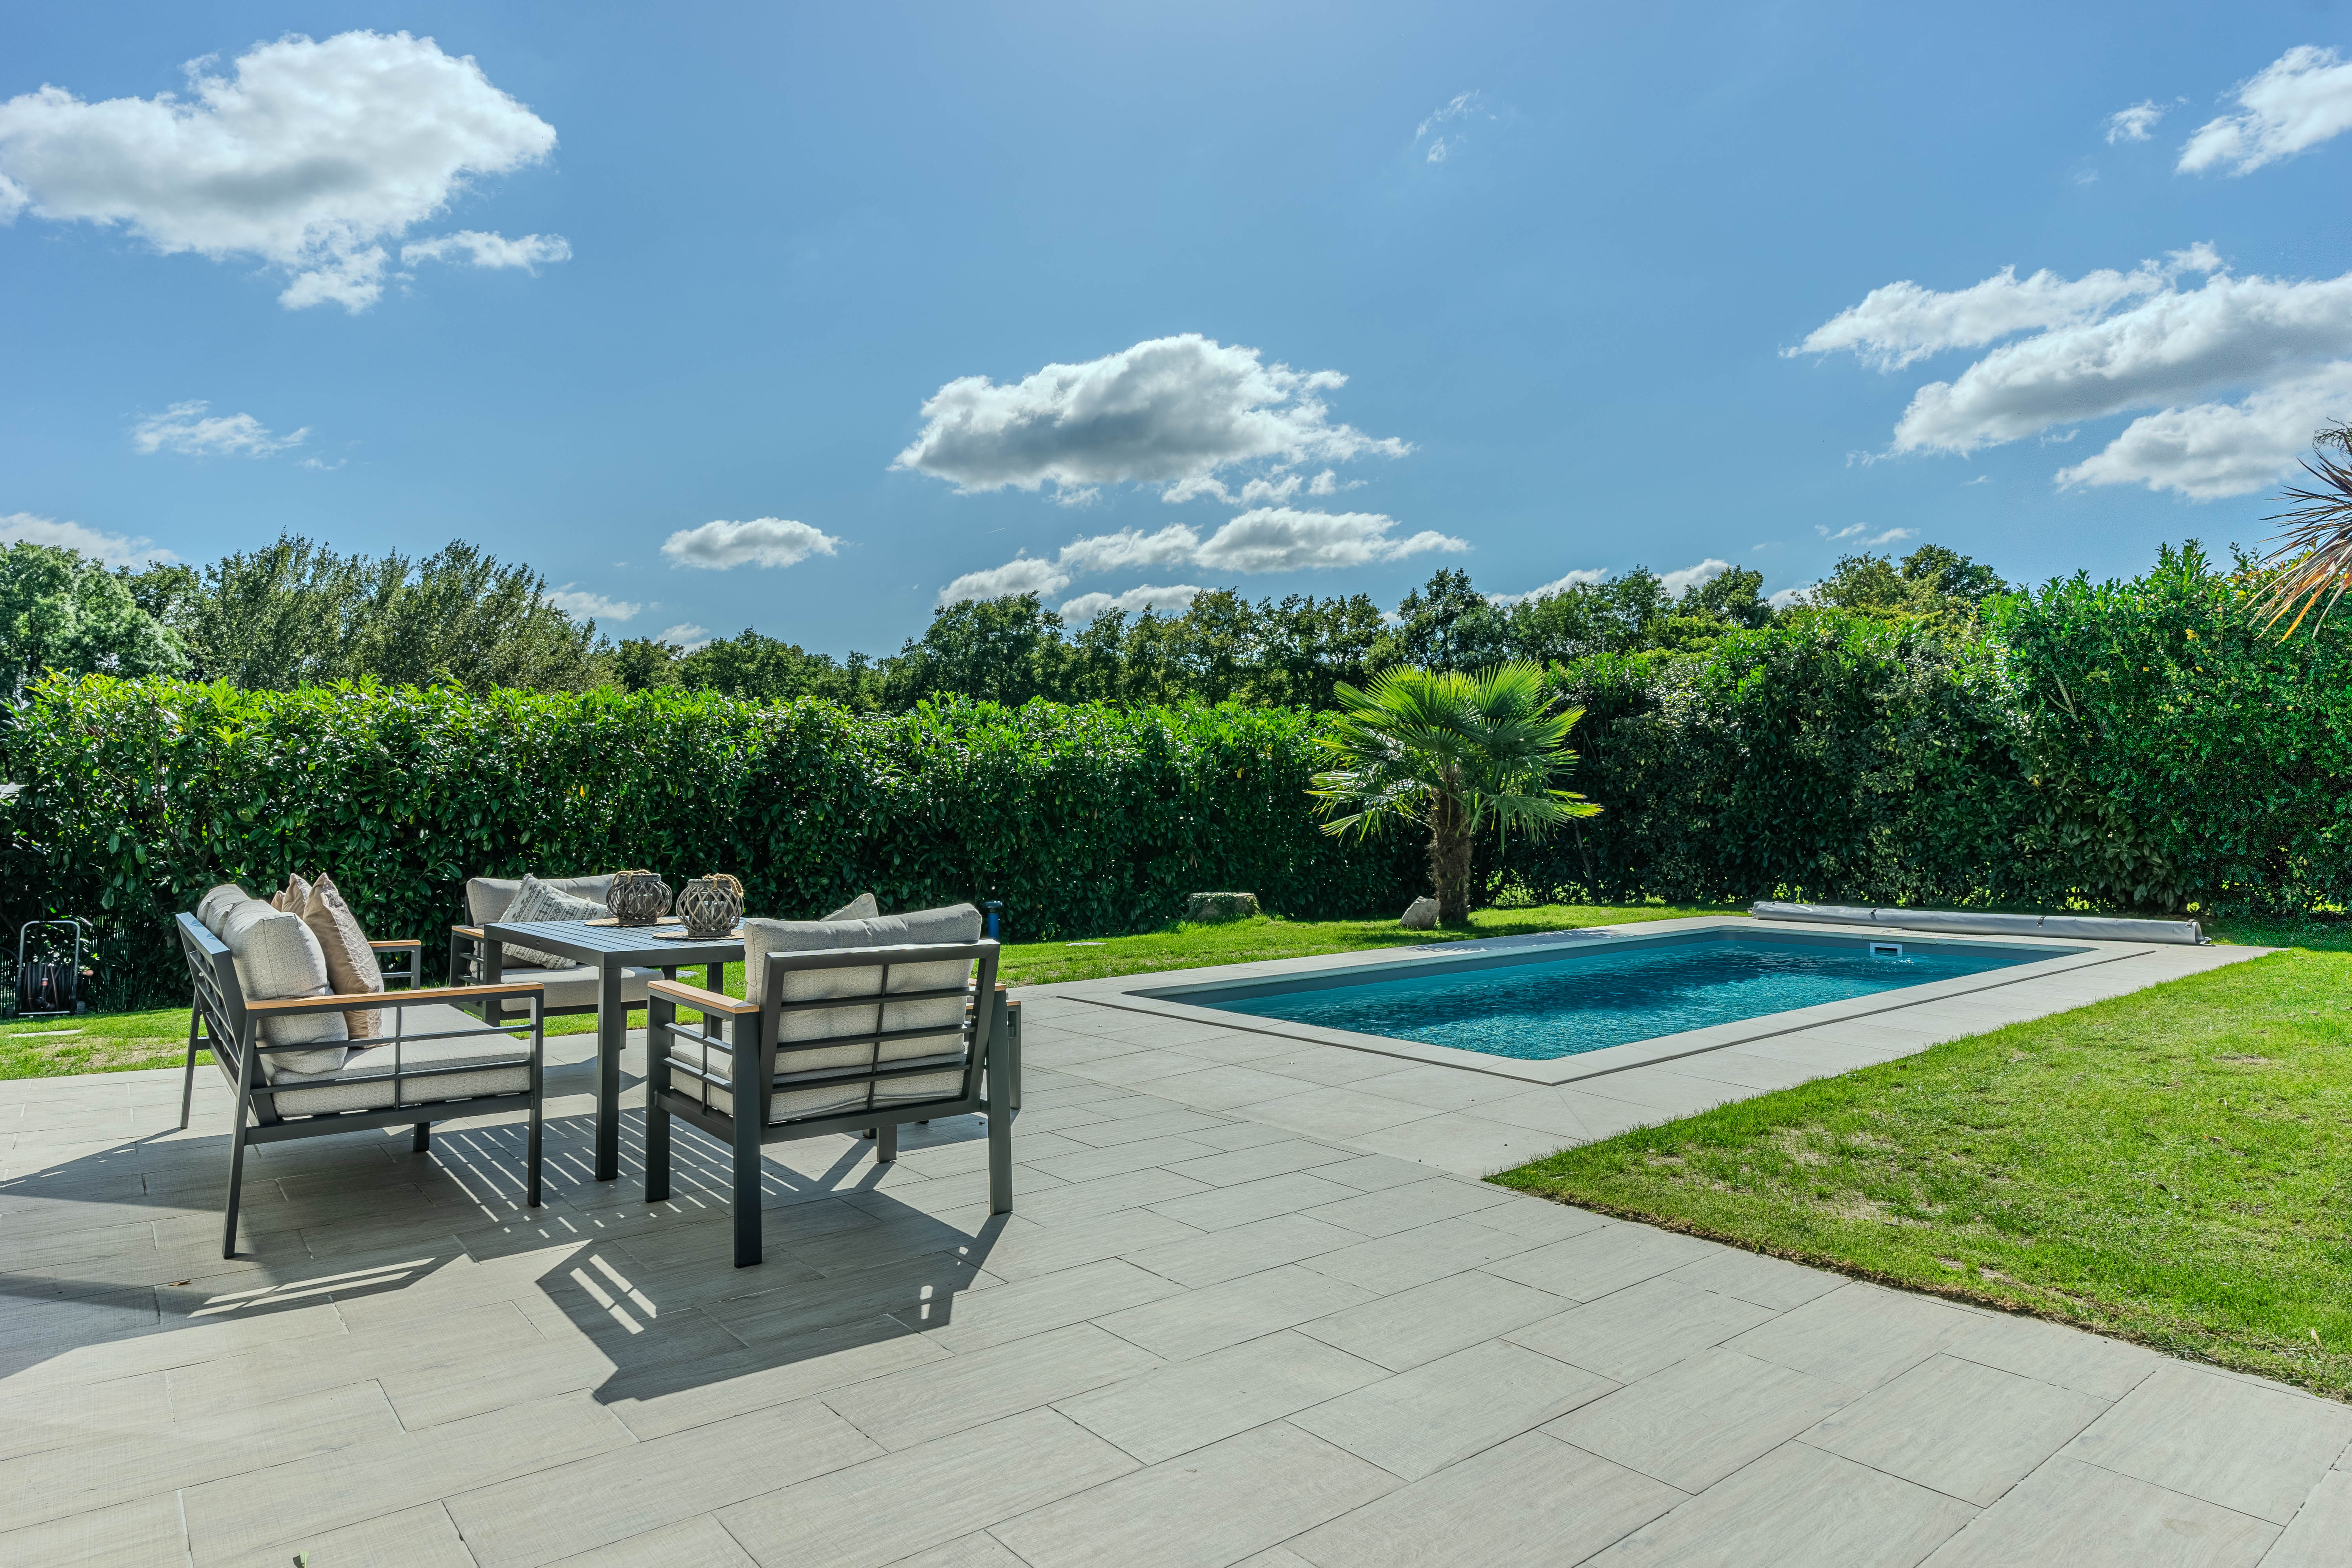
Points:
(2314, 556)
(1452, 752)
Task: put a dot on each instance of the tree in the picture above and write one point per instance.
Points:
(60, 612)
(1931, 583)
(1452, 753)
(1446, 624)
(2312, 561)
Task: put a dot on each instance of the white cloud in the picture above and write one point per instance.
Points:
(185, 427)
(2133, 125)
(114, 549)
(308, 156)
(1266, 539)
(482, 249)
(1583, 575)
(1902, 322)
(1170, 546)
(686, 634)
(1168, 600)
(2234, 374)
(1282, 539)
(2168, 347)
(2212, 450)
(1789, 598)
(1023, 574)
(1461, 106)
(762, 541)
(1176, 412)
(1677, 583)
(1863, 538)
(582, 606)
(2298, 101)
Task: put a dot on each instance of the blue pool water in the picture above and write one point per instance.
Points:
(1540, 1011)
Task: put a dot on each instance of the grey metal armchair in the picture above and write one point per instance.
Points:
(844, 1040)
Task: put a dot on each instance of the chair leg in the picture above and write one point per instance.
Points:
(538, 1105)
(747, 1190)
(188, 1077)
(660, 1016)
(235, 1186)
(886, 1143)
(1000, 1160)
(422, 1139)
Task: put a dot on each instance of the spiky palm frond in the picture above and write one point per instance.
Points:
(2314, 556)
(1415, 737)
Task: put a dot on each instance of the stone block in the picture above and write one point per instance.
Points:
(1420, 915)
(1211, 909)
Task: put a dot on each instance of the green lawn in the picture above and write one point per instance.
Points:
(158, 1038)
(2173, 1167)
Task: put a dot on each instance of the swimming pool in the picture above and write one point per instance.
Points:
(1543, 1007)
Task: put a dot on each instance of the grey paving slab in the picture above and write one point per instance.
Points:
(420, 1537)
(1411, 1258)
(2320, 1535)
(1331, 1111)
(1702, 1419)
(932, 1400)
(1645, 1328)
(1221, 1255)
(1231, 1167)
(1403, 1330)
(1530, 1502)
(1419, 1421)
(1221, 1209)
(1969, 1431)
(2249, 1448)
(1537, 1219)
(698, 1543)
(1600, 1262)
(883, 1510)
(1212, 1397)
(1013, 1311)
(1410, 1205)
(568, 1508)
(1212, 1506)
(1798, 1505)
(1181, 1326)
(1859, 1334)
(1752, 1277)
(1463, 1143)
(1221, 1087)
(2085, 1517)
(133, 1534)
(980, 1550)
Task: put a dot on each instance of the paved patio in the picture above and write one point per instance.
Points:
(1251, 1309)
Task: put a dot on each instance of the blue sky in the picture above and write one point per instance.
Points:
(691, 278)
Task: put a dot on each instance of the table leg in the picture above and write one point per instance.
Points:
(659, 1014)
(611, 1034)
(714, 978)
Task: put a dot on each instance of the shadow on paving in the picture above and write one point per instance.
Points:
(123, 1242)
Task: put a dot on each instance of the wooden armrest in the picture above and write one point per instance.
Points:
(474, 932)
(403, 943)
(701, 1001)
(390, 998)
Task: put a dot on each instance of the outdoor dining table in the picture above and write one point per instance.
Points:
(609, 949)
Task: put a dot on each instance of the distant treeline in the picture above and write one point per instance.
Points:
(298, 614)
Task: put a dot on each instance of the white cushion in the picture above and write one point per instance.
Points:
(539, 900)
(278, 957)
(940, 1020)
(216, 903)
(488, 898)
(504, 1063)
(861, 907)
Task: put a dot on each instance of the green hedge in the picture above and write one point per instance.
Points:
(2143, 745)
(139, 795)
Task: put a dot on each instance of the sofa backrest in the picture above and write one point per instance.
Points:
(486, 898)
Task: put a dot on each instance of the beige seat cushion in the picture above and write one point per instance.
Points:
(351, 967)
(488, 898)
(277, 957)
(503, 1064)
(941, 1021)
(576, 986)
(216, 903)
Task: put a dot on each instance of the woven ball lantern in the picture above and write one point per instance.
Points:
(710, 905)
(637, 898)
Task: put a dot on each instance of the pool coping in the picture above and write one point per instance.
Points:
(1125, 992)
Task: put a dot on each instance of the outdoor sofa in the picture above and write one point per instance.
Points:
(569, 989)
(846, 1026)
(296, 1072)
